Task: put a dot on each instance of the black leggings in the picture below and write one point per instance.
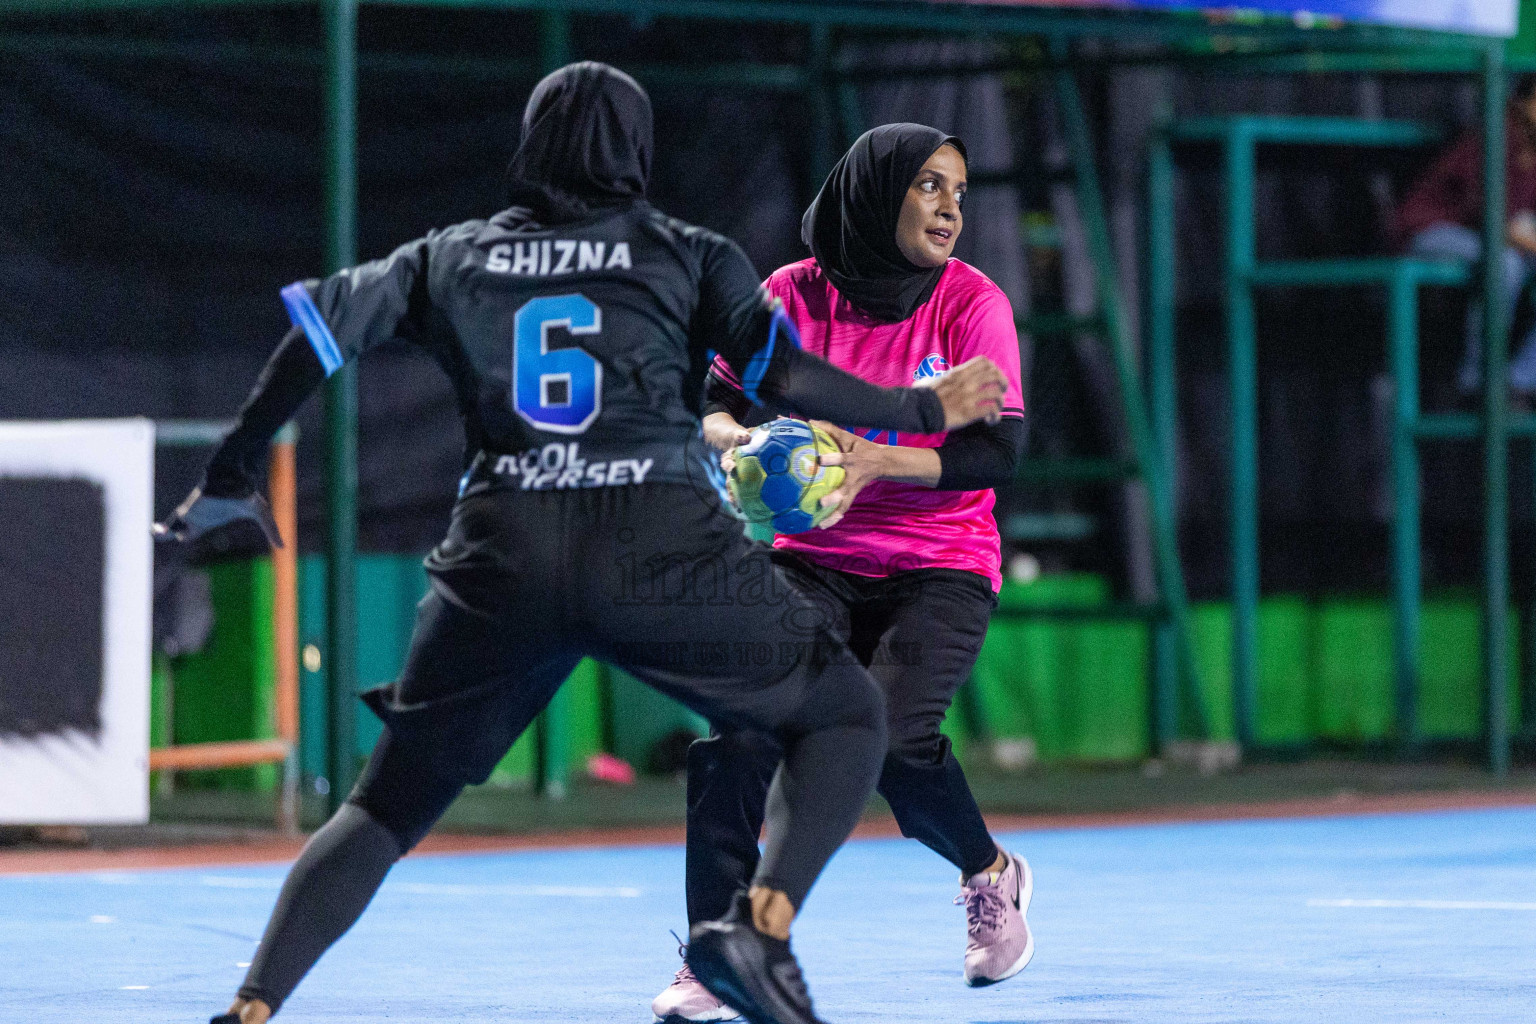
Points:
(653, 579)
(919, 632)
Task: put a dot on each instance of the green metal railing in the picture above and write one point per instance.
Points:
(1238, 139)
(552, 760)
(1402, 278)
(1495, 419)
(340, 112)
(1173, 660)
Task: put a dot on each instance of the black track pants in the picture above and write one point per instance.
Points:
(327, 890)
(655, 579)
(919, 632)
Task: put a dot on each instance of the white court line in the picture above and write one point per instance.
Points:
(591, 892)
(446, 889)
(1425, 904)
(622, 892)
(235, 882)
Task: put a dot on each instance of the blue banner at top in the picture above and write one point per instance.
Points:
(1479, 17)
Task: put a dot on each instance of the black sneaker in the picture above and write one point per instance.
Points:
(755, 973)
(225, 1018)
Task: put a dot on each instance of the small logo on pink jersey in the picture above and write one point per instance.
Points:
(931, 366)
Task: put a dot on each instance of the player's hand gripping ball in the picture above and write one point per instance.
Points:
(778, 478)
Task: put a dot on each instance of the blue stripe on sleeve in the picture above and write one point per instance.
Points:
(306, 316)
(757, 366)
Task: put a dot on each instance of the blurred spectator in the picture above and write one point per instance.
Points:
(1442, 217)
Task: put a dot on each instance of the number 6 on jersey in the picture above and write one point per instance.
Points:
(560, 391)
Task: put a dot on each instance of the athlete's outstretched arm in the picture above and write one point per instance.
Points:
(230, 491)
(781, 376)
(334, 320)
(291, 375)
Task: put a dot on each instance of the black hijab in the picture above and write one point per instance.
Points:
(851, 225)
(586, 144)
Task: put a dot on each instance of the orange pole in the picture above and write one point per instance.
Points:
(283, 486)
(232, 754)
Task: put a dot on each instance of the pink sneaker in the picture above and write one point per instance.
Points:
(995, 904)
(686, 1000)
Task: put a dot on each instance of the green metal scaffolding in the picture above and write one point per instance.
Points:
(1238, 138)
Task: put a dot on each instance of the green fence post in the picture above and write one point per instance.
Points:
(1090, 204)
(1525, 728)
(341, 403)
(820, 89)
(554, 40)
(1162, 373)
(552, 773)
(1403, 339)
(1239, 152)
(850, 112)
(552, 729)
(1495, 418)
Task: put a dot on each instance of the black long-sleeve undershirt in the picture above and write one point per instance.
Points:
(795, 382)
(980, 456)
(806, 386)
(290, 376)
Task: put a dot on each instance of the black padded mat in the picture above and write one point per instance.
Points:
(52, 576)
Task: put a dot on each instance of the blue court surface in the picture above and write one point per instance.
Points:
(1415, 917)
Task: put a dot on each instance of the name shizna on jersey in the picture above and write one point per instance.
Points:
(552, 256)
(556, 467)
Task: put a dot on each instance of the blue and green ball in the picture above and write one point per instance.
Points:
(779, 479)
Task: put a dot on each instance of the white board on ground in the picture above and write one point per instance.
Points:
(99, 776)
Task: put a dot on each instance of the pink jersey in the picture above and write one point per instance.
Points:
(893, 527)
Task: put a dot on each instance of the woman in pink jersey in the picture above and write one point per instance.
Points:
(907, 573)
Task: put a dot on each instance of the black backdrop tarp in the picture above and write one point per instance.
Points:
(153, 206)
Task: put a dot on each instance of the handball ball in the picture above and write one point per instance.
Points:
(778, 479)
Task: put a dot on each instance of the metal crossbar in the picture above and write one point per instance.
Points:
(1173, 660)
